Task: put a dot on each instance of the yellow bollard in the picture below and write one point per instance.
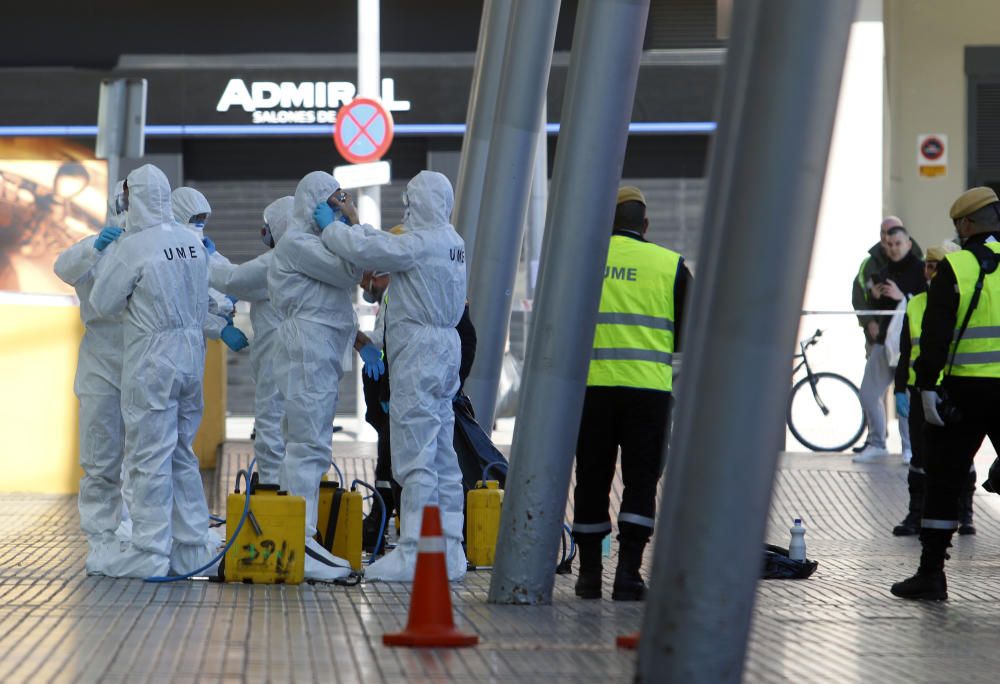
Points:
(212, 432)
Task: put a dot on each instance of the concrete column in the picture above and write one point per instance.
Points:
(506, 189)
(600, 89)
(779, 98)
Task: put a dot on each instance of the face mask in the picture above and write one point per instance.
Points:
(121, 205)
(266, 237)
(198, 225)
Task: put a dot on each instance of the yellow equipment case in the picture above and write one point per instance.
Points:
(338, 524)
(271, 545)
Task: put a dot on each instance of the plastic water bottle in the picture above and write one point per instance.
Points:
(797, 546)
(606, 546)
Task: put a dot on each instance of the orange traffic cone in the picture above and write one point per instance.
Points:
(430, 623)
(629, 641)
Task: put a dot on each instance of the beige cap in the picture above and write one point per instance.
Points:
(630, 193)
(938, 252)
(972, 200)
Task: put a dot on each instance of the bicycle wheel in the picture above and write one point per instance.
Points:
(826, 415)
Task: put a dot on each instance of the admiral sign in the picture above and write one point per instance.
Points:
(304, 102)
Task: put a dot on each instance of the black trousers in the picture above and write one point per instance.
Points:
(917, 476)
(950, 452)
(636, 421)
(379, 419)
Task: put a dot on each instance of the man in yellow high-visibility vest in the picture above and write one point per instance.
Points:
(913, 412)
(627, 402)
(959, 337)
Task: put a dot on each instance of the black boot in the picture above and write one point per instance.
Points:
(628, 582)
(929, 584)
(588, 582)
(926, 585)
(909, 527)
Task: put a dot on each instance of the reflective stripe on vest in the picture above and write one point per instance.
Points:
(634, 339)
(861, 276)
(978, 353)
(915, 309)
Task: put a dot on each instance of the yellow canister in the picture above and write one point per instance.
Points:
(482, 522)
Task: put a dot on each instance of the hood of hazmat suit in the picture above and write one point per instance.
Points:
(158, 276)
(248, 282)
(312, 290)
(97, 384)
(428, 297)
(188, 203)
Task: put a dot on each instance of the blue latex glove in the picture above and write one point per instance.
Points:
(209, 245)
(372, 356)
(384, 405)
(234, 338)
(323, 215)
(232, 300)
(902, 405)
(106, 237)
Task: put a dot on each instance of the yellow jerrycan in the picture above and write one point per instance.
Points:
(338, 522)
(482, 522)
(271, 545)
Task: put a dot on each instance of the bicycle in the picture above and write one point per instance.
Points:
(830, 411)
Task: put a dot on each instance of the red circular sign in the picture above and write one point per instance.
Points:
(932, 148)
(363, 131)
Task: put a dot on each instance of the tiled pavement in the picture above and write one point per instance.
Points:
(839, 626)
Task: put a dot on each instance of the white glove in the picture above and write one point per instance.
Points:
(930, 400)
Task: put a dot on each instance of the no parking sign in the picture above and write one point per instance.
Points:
(932, 155)
(363, 132)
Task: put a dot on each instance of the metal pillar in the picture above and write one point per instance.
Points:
(369, 200)
(507, 181)
(779, 100)
(479, 120)
(536, 207)
(604, 66)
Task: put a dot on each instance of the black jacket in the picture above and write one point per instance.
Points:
(908, 274)
(874, 264)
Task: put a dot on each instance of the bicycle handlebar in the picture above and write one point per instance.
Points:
(812, 340)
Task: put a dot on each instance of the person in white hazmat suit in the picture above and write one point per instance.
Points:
(427, 263)
(312, 290)
(248, 282)
(191, 209)
(157, 279)
(102, 504)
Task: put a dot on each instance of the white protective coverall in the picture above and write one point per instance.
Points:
(98, 387)
(312, 290)
(248, 282)
(158, 276)
(186, 204)
(427, 263)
